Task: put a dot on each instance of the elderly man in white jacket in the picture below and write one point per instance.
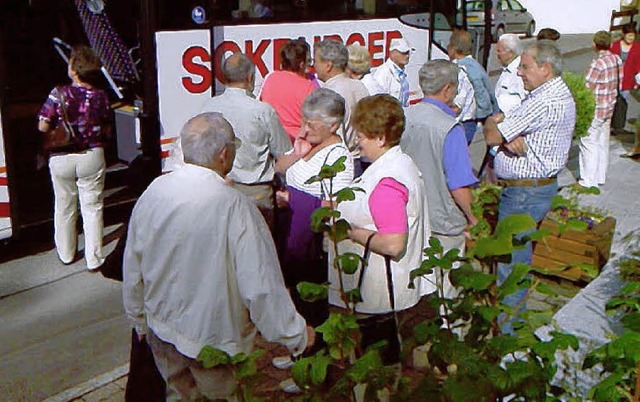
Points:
(200, 268)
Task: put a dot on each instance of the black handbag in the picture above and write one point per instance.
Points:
(378, 327)
(619, 118)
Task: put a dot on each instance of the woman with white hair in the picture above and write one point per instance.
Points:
(316, 145)
(359, 62)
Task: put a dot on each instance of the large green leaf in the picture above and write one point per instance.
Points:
(492, 246)
(560, 341)
(488, 313)
(467, 277)
(340, 231)
(425, 331)
(512, 283)
(329, 171)
(537, 319)
(435, 245)
(502, 345)
(362, 367)
(577, 225)
(239, 358)
(246, 369)
(538, 235)
(321, 216)
(349, 262)
(338, 332)
(559, 201)
(312, 292)
(347, 194)
(610, 389)
(319, 365)
(212, 357)
(515, 224)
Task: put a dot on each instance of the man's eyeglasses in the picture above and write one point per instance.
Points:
(236, 142)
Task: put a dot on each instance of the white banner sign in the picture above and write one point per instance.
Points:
(186, 58)
(5, 216)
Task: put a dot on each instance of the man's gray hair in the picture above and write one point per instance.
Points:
(324, 104)
(512, 43)
(460, 41)
(334, 51)
(237, 68)
(435, 74)
(546, 51)
(204, 136)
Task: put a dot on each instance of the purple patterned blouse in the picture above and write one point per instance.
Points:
(87, 109)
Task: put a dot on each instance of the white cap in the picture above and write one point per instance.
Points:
(401, 45)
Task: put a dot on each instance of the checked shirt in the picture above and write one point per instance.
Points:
(603, 78)
(546, 120)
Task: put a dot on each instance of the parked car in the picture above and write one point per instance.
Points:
(508, 16)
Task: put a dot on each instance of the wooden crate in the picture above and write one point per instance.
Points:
(556, 252)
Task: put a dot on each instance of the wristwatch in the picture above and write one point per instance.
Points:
(95, 6)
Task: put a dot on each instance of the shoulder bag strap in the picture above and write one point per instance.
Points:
(65, 117)
(387, 261)
(617, 78)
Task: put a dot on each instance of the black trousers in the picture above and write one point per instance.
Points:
(145, 383)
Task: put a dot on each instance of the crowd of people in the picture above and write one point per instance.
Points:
(216, 248)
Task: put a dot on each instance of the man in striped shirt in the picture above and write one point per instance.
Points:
(534, 142)
(603, 78)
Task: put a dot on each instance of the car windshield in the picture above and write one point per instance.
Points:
(475, 6)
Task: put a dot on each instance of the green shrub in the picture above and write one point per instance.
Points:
(585, 102)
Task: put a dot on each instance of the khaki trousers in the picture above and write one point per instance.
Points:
(263, 197)
(186, 379)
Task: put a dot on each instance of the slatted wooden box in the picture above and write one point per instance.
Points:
(560, 253)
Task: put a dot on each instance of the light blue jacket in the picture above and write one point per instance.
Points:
(486, 103)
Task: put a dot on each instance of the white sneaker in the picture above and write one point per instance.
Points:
(282, 362)
(289, 386)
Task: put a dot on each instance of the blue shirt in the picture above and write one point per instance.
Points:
(455, 153)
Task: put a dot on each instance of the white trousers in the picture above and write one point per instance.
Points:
(594, 153)
(78, 175)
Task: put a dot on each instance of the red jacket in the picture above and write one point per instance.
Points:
(631, 66)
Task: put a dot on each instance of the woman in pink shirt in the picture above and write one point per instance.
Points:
(389, 227)
(287, 88)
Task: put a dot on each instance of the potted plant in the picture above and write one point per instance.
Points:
(578, 238)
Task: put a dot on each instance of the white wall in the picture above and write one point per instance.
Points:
(572, 16)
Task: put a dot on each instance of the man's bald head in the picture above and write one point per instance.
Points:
(238, 69)
(204, 137)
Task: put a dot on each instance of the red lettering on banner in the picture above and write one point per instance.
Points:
(256, 56)
(196, 69)
(224, 47)
(333, 36)
(4, 181)
(390, 35)
(355, 38)
(277, 45)
(375, 48)
(4, 210)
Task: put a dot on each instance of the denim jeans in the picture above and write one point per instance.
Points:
(534, 201)
(470, 128)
